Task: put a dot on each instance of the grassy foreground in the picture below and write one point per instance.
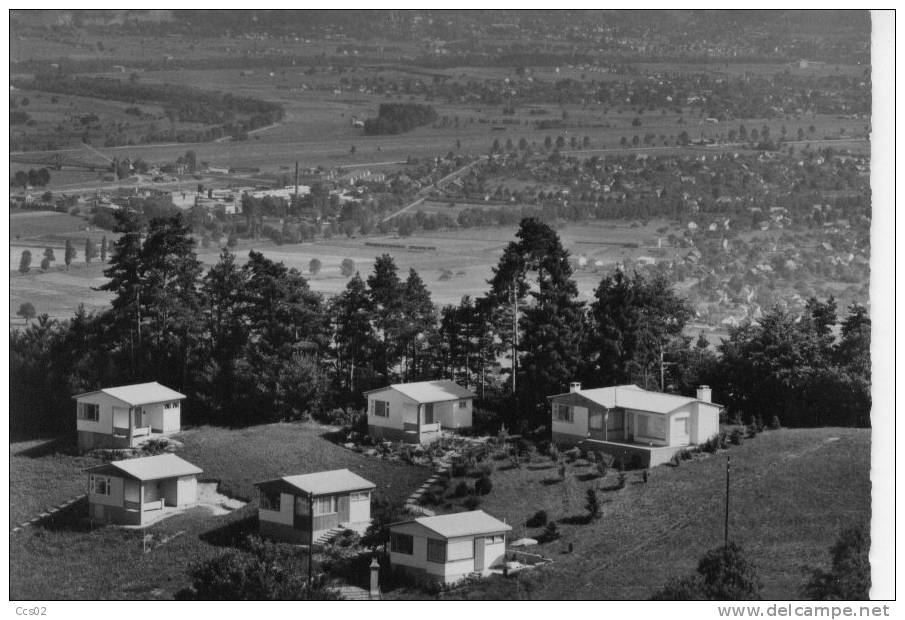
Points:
(58, 559)
(792, 491)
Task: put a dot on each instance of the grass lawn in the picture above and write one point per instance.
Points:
(792, 491)
(59, 558)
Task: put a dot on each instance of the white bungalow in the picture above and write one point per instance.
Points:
(449, 547)
(415, 412)
(310, 507)
(126, 416)
(625, 421)
(141, 491)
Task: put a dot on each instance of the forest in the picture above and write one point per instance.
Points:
(251, 343)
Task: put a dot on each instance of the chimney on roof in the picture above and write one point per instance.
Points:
(575, 386)
(704, 393)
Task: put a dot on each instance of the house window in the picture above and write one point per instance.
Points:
(564, 413)
(493, 540)
(174, 405)
(682, 426)
(89, 411)
(270, 500)
(401, 543)
(361, 496)
(100, 485)
(326, 505)
(651, 426)
(381, 408)
(436, 551)
(463, 404)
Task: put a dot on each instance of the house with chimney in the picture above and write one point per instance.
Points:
(633, 424)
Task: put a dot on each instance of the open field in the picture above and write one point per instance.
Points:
(59, 558)
(792, 491)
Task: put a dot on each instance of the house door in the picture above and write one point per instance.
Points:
(429, 413)
(479, 554)
(139, 418)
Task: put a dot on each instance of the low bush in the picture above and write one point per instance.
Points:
(483, 485)
(645, 475)
(553, 452)
(774, 423)
(735, 438)
(538, 519)
(550, 533)
(472, 502)
(429, 498)
(635, 461)
(622, 479)
(462, 489)
(573, 454)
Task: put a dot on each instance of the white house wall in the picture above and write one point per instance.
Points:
(451, 416)
(494, 554)
(708, 422)
(187, 491)
(104, 422)
(285, 514)
(116, 492)
(676, 435)
(578, 426)
(360, 511)
(402, 409)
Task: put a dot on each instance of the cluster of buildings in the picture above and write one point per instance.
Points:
(312, 508)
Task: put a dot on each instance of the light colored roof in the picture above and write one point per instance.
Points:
(326, 482)
(430, 391)
(633, 397)
(153, 467)
(139, 393)
(463, 524)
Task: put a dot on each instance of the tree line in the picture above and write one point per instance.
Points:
(252, 343)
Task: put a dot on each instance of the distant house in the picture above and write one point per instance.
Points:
(310, 507)
(141, 491)
(415, 412)
(448, 548)
(625, 420)
(125, 416)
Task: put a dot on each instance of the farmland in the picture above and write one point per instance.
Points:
(52, 558)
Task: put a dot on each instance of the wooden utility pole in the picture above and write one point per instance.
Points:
(310, 536)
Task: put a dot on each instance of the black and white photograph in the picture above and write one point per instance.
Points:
(435, 304)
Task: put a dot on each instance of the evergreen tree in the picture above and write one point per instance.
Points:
(354, 335)
(69, 254)
(90, 251)
(385, 291)
(723, 574)
(104, 249)
(25, 261)
(419, 326)
(849, 577)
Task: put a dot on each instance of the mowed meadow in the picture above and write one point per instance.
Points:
(792, 491)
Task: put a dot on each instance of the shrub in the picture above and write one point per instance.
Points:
(635, 461)
(550, 533)
(774, 423)
(553, 452)
(622, 479)
(592, 503)
(429, 498)
(751, 431)
(472, 502)
(573, 454)
(539, 519)
(645, 475)
(606, 459)
(602, 469)
(484, 470)
(676, 459)
(483, 485)
(458, 469)
(760, 423)
(735, 438)
(462, 489)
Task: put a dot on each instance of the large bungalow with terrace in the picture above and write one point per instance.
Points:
(126, 416)
(625, 421)
(416, 412)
